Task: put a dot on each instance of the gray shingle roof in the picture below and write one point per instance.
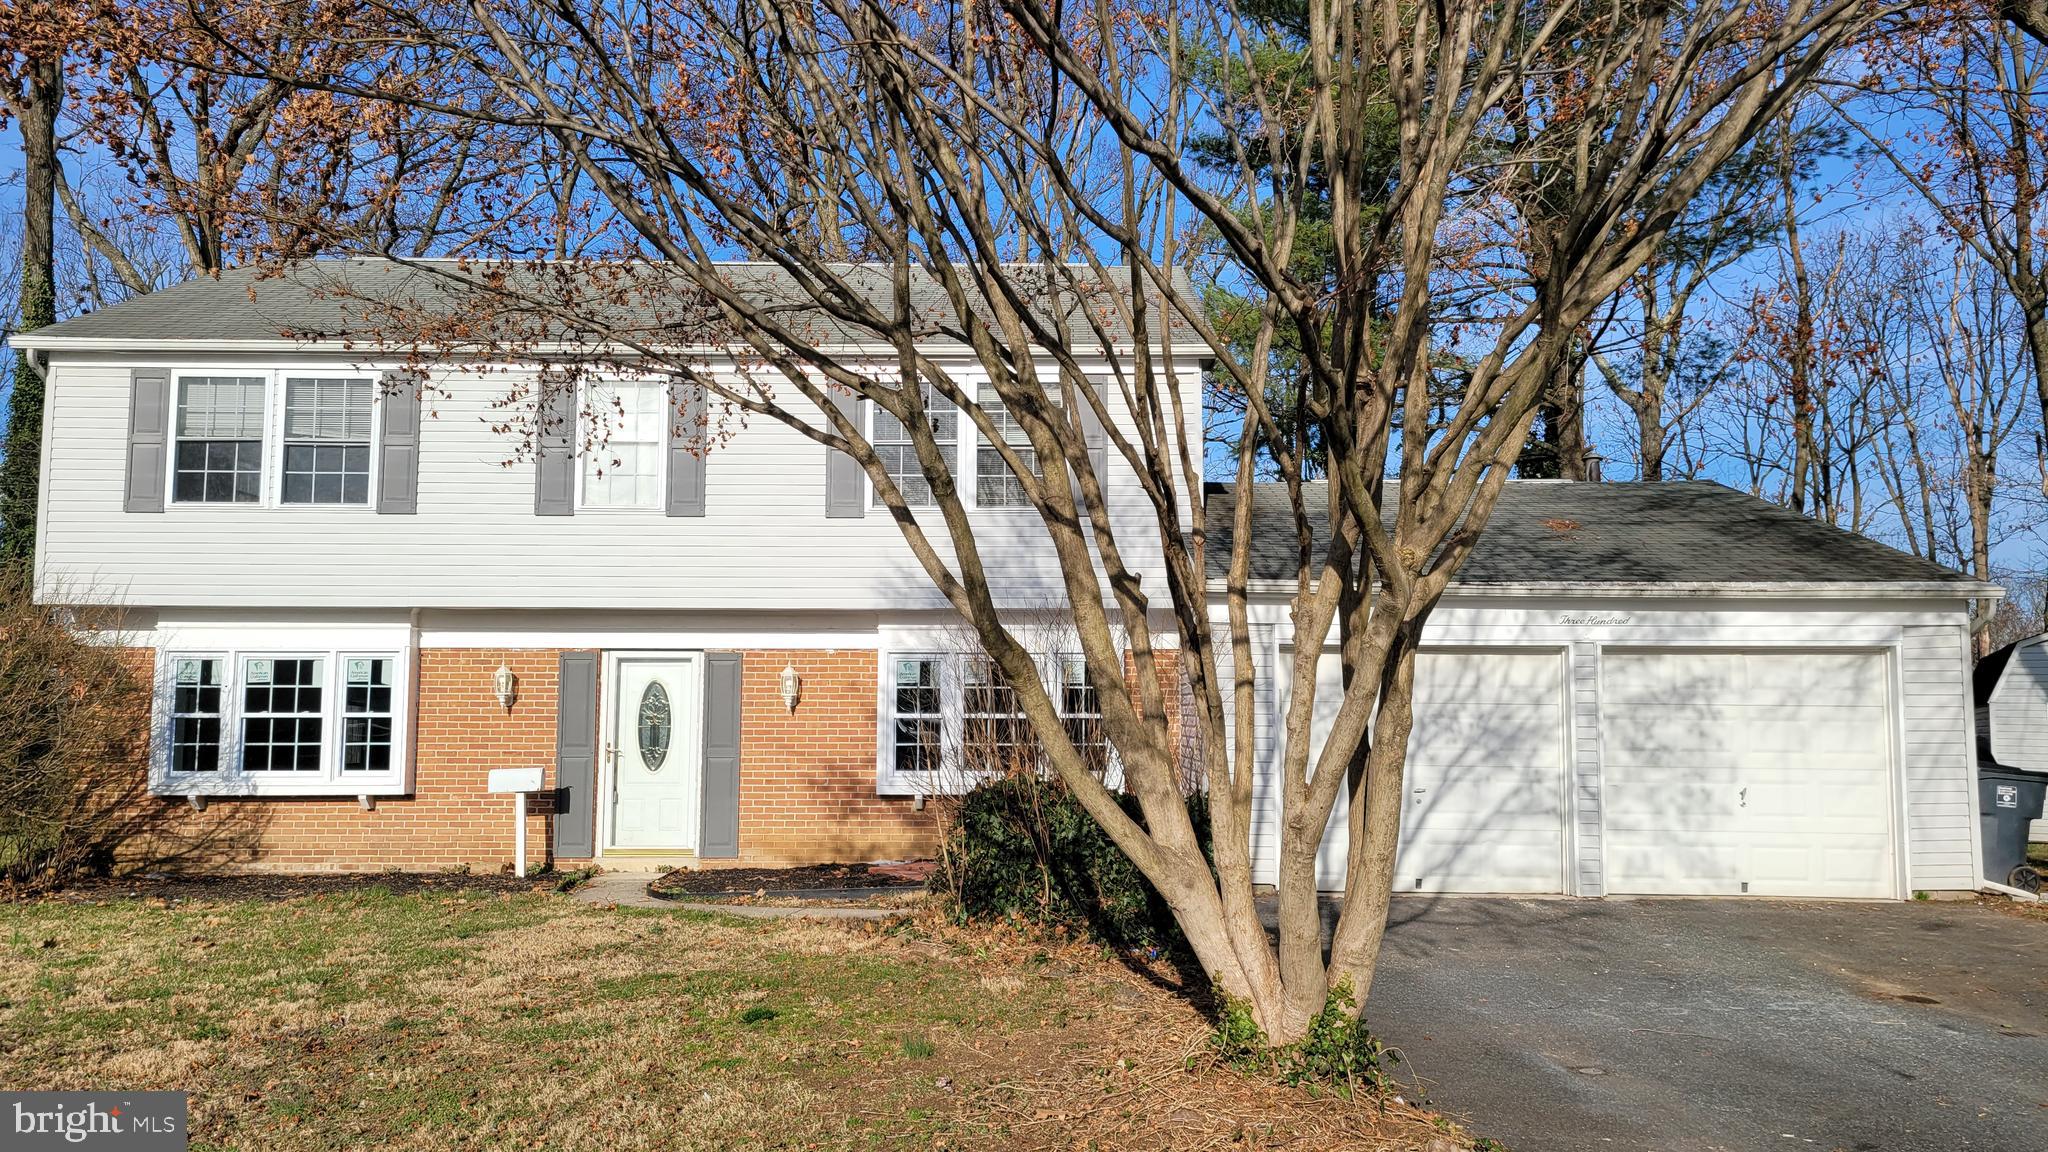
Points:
(1675, 532)
(328, 300)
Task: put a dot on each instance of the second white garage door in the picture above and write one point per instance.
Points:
(1758, 773)
(1484, 803)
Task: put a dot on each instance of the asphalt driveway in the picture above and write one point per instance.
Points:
(1695, 1024)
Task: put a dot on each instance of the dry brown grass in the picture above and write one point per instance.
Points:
(434, 1021)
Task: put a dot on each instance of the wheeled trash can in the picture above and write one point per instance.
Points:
(2008, 801)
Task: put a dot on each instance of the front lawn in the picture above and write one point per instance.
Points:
(466, 1019)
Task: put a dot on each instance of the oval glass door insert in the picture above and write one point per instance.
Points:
(654, 726)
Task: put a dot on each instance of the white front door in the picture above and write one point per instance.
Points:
(1483, 803)
(653, 753)
(1765, 773)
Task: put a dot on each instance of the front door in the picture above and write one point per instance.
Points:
(653, 753)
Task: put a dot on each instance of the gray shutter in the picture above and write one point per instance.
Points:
(554, 457)
(149, 428)
(398, 452)
(576, 757)
(685, 464)
(721, 829)
(846, 493)
(1097, 442)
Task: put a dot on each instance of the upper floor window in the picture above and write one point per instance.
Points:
(219, 455)
(995, 485)
(624, 438)
(891, 438)
(327, 440)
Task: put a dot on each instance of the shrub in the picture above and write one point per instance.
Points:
(1021, 847)
(1338, 1052)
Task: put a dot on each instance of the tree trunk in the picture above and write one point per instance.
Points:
(20, 471)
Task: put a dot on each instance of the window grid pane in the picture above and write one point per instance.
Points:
(195, 714)
(366, 714)
(327, 441)
(625, 433)
(282, 714)
(995, 486)
(219, 455)
(995, 735)
(891, 439)
(919, 726)
(1081, 706)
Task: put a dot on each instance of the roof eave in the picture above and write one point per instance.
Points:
(32, 342)
(1751, 590)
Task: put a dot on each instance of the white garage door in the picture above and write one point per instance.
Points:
(1766, 773)
(1484, 809)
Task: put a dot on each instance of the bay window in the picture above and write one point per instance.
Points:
(324, 722)
(949, 722)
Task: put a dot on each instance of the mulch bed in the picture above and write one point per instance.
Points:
(789, 881)
(289, 886)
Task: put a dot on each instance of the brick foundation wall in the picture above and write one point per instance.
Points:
(807, 778)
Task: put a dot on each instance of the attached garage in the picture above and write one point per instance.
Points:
(1661, 689)
(1747, 773)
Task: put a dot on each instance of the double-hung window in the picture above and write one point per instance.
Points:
(891, 439)
(624, 439)
(219, 454)
(919, 725)
(995, 737)
(327, 440)
(298, 722)
(995, 485)
(1081, 710)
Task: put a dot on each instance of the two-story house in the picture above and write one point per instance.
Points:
(357, 600)
(354, 602)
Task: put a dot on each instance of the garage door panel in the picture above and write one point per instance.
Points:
(1770, 769)
(1483, 809)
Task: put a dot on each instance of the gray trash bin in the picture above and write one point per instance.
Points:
(2008, 801)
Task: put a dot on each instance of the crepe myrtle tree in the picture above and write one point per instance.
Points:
(1014, 182)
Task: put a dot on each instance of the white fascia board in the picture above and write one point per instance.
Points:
(1757, 590)
(31, 341)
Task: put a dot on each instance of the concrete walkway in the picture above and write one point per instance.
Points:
(629, 890)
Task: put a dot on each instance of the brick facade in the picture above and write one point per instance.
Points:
(807, 778)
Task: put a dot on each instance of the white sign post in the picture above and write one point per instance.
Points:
(519, 782)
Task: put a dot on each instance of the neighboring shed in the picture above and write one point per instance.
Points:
(1658, 689)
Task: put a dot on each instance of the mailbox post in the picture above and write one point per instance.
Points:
(520, 782)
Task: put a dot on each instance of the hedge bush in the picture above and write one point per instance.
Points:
(1023, 848)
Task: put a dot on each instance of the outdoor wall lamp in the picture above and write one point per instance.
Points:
(507, 686)
(792, 686)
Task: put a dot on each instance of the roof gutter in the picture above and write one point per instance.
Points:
(53, 343)
(1680, 590)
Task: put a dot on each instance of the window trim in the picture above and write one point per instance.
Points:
(231, 779)
(951, 776)
(661, 462)
(271, 482)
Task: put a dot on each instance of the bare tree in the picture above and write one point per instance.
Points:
(1031, 164)
(1955, 109)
